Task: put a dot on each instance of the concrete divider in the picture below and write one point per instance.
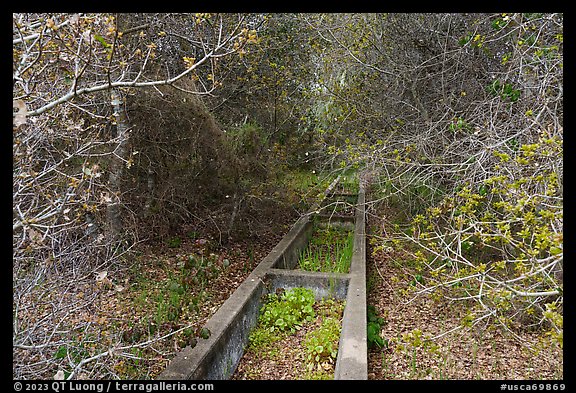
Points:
(352, 360)
(324, 285)
(218, 356)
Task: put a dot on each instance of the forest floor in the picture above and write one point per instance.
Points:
(152, 297)
(455, 352)
(138, 315)
(129, 319)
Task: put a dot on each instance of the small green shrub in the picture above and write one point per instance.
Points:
(261, 338)
(288, 311)
(322, 343)
(374, 327)
(174, 242)
(505, 91)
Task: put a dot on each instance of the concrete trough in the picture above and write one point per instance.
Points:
(217, 357)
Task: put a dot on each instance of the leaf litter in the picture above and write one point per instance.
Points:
(480, 352)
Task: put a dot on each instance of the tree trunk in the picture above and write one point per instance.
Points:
(117, 164)
(151, 184)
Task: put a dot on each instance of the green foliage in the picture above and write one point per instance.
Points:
(322, 344)
(181, 293)
(205, 333)
(61, 352)
(509, 230)
(418, 278)
(174, 242)
(374, 328)
(288, 311)
(499, 23)
(416, 340)
(247, 140)
(304, 187)
(349, 181)
(329, 250)
(506, 91)
(198, 271)
(261, 338)
(101, 40)
(476, 41)
(556, 319)
(459, 124)
(75, 350)
(464, 40)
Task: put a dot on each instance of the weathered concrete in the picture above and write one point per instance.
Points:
(324, 285)
(218, 356)
(298, 242)
(352, 360)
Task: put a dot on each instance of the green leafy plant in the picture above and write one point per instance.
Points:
(174, 242)
(329, 250)
(374, 327)
(260, 338)
(322, 343)
(458, 124)
(417, 279)
(288, 311)
(505, 91)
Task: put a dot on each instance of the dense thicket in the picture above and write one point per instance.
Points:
(128, 122)
(462, 116)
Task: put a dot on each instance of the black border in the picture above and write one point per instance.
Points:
(290, 6)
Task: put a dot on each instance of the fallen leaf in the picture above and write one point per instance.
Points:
(20, 116)
(35, 236)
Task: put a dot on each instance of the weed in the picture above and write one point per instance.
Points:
(322, 343)
(262, 338)
(329, 250)
(384, 363)
(199, 271)
(287, 311)
(349, 181)
(178, 295)
(318, 375)
(174, 242)
(374, 328)
(319, 346)
(413, 363)
(304, 186)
